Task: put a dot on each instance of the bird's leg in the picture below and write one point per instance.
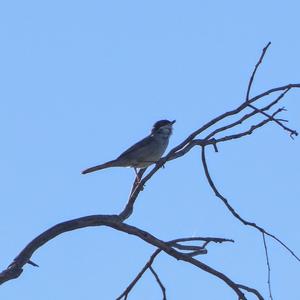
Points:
(138, 179)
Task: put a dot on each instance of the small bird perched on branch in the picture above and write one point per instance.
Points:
(145, 152)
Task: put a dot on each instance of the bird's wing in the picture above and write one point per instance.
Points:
(137, 147)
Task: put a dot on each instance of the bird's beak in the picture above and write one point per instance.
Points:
(173, 122)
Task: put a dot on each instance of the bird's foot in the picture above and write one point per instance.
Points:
(160, 166)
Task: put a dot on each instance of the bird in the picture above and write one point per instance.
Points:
(145, 152)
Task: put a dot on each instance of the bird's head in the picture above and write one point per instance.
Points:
(163, 127)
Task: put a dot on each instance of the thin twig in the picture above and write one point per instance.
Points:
(227, 138)
(268, 266)
(203, 239)
(247, 132)
(278, 121)
(251, 290)
(255, 69)
(292, 132)
(232, 210)
(273, 90)
(242, 119)
(162, 287)
(196, 250)
(139, 275)
(189, 247)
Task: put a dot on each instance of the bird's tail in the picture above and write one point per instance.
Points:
(112, 163)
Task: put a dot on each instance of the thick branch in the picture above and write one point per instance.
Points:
(15, 268)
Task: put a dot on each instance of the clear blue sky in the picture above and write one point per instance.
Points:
(83, 80)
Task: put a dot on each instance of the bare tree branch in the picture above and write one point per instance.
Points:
(268, 266)
(249, 131)
(187, 144)
(173, 243)
(279, 122)
(231, 209)
(274, 90)
(251, 290)
(255, 69)
(292, 132)
(176, 248)
(139, 275)
(15, 268)
(163, 289)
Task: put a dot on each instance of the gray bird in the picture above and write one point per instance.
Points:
(145, 152)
